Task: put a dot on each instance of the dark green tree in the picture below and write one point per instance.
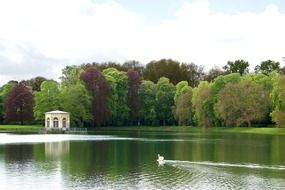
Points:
(267, 67)
(4, 91)
(118, 99)
(34, 83)
(173, 70)
(238, 66)
(134, 65)
(213, 74)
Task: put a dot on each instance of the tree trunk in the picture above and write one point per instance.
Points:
(21, 116)
(248, 123)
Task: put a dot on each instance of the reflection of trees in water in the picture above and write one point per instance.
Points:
(57, 149)
(115, 158)
(18, 157)
(118, 159)
(18, 152)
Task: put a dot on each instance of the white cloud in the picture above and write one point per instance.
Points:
(41, 37)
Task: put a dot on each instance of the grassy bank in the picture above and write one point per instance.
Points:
(20, 128)
(251, 130)
(265, 131)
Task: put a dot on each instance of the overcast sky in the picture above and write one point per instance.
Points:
(40, 37)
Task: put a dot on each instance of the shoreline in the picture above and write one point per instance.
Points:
(35, 129)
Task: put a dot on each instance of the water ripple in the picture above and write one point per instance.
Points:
(222, 164)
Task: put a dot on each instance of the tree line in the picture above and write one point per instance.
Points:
(164, 92)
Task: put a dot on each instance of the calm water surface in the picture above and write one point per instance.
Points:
(127, 160)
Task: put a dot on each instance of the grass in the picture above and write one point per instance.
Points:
(251, 130)
(20, 128)
(185, 129)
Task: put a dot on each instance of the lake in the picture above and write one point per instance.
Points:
(127, 160)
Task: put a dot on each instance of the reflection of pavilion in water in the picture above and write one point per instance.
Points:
(56, 149)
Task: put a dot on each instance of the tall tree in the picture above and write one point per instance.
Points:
(213, 74)
(4, 91)
(242, 102)
(35, 83)
(119, 97)
(278, 99)
(147, 93)
(99, 89)
(181, 88)
(174, 71)
(191, 73)
(165, 92)
(105, 65)
(134, 65)
(70, 75)
(47, 99)
(183, 103)
(183, 108)
(215, 87)
(19, 105)
(238, 66)
(133, 95)
(203, 103)
(267, 67)
(76, 100)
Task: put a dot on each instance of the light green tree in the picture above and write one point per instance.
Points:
(183, 108)
(76, 100)
(147, 112)
(203, 105)
(218, 84)
(165, 92)
(242, 103)
(278, 99)
(47, 99)
(181, 88)
(70, 75)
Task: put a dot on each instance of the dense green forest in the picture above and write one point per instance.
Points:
(164, 92)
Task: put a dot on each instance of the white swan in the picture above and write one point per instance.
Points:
(160, 160)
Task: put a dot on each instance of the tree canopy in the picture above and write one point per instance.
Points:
(99, 89)
(46, 99)
(134, 82)
(163, 92)
(19, 105)
(242, 102)
(238, 66)
(267, 67)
